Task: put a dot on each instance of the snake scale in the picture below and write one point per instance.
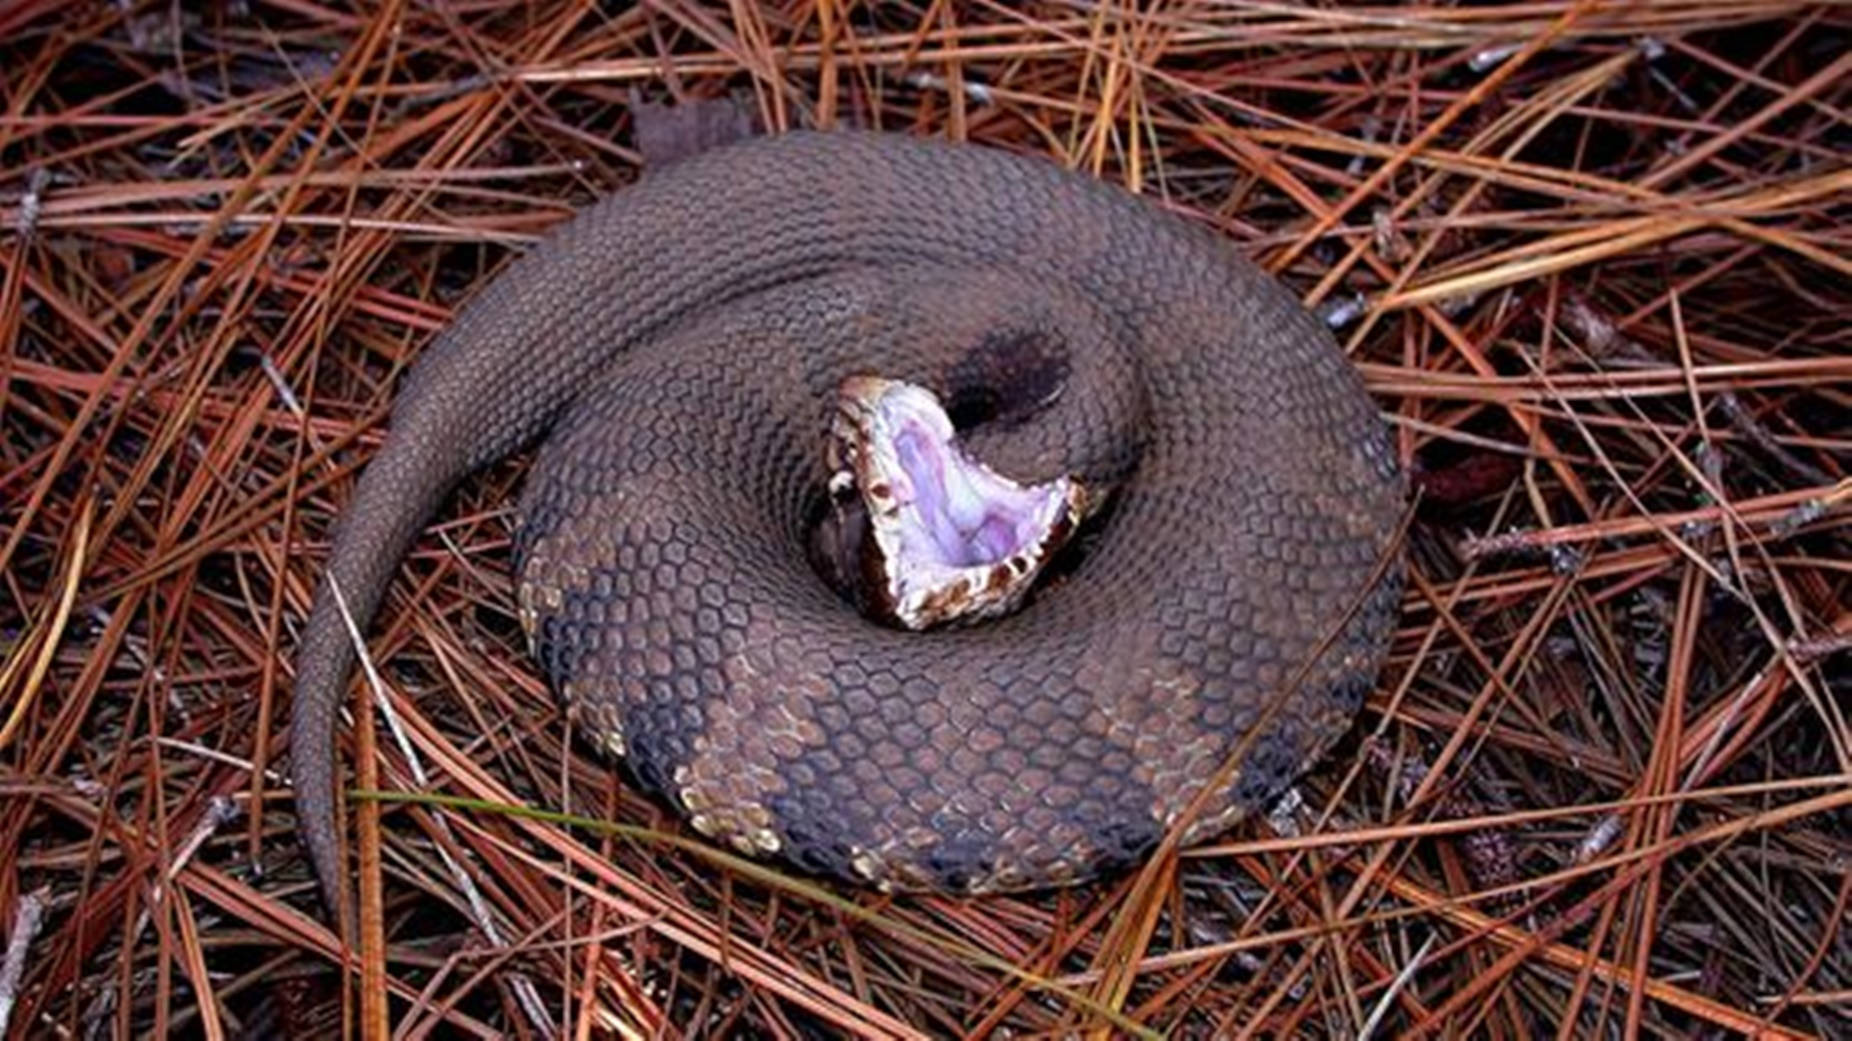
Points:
(678, 349)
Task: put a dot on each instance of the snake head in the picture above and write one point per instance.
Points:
(943, 538)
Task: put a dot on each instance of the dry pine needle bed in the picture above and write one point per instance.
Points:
(1593, 259)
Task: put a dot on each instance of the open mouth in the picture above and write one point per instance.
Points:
(952, 539)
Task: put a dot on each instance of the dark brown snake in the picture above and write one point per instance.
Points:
(679, 346)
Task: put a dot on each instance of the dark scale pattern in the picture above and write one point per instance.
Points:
(679, 345)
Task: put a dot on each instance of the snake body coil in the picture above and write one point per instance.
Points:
(680, 344)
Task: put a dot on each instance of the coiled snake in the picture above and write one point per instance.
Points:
(738, 364)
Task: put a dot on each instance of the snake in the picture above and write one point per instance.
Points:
(931, 516)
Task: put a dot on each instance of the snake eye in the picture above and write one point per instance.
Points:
(952, 540)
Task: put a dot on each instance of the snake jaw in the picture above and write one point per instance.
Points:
(949, 538)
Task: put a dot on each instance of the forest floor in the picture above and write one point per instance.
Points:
(1594, 260)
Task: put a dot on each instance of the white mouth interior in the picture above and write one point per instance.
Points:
(956, 538)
